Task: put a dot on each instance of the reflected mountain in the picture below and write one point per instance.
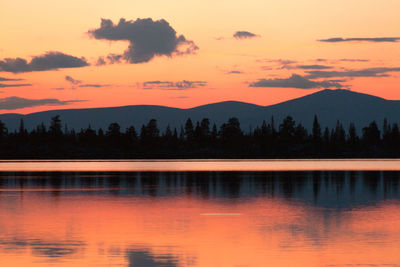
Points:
(340, 190)
(144, 258)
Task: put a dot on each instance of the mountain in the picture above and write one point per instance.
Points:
(329, 105)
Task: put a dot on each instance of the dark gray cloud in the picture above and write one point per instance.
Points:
(14, 102)
(368, 72)
(147, 39)
(94, 85)
(109, 59)
(101, 61)
(353, 60)
(235, 72)
(244, 35)
(342, 60)
(314, 67)
(2, 85)
(47, 61)
(79, 83)
(72, 80)
(278, 61)
(168, 85)
(2, 79)
(295, 81)
(305, 67)
(376, 40)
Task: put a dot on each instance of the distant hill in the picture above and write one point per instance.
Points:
(329, 105)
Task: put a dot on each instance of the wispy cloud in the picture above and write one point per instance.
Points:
(305, 67)
(244, 35)
(278, 61)
(79, 83)
(2, 85)
(72, 80)
(315, 67)
(169, 85)
(375, 40)
(368, 72)
(295, 81)
(2, 79)
(47, 61)
(235, 72)
(94, 85)
(353, 60)
(14, 102)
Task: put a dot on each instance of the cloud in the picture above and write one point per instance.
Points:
(2, 79)
(353, 60)
(295, 81)
(109, 59)
(2, 85)
(147, 39)
(94, 85)
(315, 67)
(376, 40)
(235, 72)
(14, 102)
(305, 67)
(72, 80)
(342, 60)
(368, 72)
(47, 61)
(279, 61)
(244, 35)
(168, 85)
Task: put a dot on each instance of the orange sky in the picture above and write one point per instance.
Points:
(287, 30)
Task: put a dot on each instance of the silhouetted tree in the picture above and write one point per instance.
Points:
(22, 132)
(316, 130)
(189, 131)
(3, 130)
(231, 131)
(353, 138)
(55, 126)
(286, 129)
(371, 134)
(230, 141)
(114, 130)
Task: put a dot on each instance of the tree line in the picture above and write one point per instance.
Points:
(200, 139)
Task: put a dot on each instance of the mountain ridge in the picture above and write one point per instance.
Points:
(329, 105)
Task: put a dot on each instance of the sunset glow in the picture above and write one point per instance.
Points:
(209, 63)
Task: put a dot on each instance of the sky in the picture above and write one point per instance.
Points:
(84, 54)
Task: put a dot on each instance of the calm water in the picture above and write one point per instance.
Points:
(186, 218)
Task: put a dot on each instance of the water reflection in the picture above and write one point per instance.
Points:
(200, 219)
(143, 257)
(342, 190)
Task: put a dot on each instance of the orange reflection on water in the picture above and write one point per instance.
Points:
(201, 165)
(39, 229)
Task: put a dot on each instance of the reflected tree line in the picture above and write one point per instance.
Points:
(200, 139)
(326, 189)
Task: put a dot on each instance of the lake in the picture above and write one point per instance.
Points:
(200, 213)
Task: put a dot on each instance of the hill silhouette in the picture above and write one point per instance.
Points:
(330, 106)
